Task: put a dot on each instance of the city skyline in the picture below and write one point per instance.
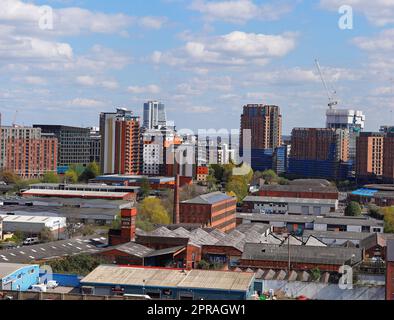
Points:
(199, 58)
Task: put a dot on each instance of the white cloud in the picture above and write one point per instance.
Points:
(83, 102)
(378, 12)
(198, 109)
(234, 49)
(152, 88)
(383, 42)
(91, 81)
(240, 11)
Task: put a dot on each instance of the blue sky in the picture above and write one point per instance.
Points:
(204, 59)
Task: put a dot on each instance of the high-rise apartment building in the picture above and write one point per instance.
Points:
(319, 152)
(120, 142)
(370, 151)
(265, 123)
(388, 158)
(73, 143)
(351, 120)
(155, 116)
(27, 151)
(95, 144)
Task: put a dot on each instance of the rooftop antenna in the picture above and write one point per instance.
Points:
(14, 120)
(332, 102)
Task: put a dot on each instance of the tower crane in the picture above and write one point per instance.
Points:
(332, 102)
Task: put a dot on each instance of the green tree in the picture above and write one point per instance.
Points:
(46, 235)
(91, 171)
(353, 209)
(71, 176)
(376, 212)
(152, 210)
(9, 177)
(270, 176)
(238, 185)
(145, 188)
(388, 219)
(80, 265)
(50, 177)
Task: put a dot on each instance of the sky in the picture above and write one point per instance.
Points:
(65, 61)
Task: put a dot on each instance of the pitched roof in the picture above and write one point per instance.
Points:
(301, 254)
(8, 268)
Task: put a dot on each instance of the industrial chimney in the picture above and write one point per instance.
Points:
(176, 218)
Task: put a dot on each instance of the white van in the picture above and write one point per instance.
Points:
(31, 241)
(39, 288)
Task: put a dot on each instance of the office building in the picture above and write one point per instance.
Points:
(73, 144)
(319, 153)
(369, 160)
(27, 151)
(155, 116)
(95, 145)
(120, 143)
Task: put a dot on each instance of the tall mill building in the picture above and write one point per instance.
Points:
(120, 142)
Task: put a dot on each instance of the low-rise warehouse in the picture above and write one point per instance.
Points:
(302, 258)
(169, 283)
(299, 223)
(18, 277)
(33, 225)
(98, 211)
(276, 205)
(79, 194)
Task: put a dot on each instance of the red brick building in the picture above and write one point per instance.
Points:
(213, 210)
(121, 148)
(265, 123)
(388, 158)
(390, 271)
(369, 157)
(28, 152)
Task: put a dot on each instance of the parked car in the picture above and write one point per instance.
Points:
(31, 241)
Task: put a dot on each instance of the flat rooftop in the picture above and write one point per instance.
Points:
(87, 187)
(29, 219)
(303, 185)
(9, 268)
(134, 178)
(290, 200)
(335, 220)
(169, 278)
(210, 198)
(74, 193)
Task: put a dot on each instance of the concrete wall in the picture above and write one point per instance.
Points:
(321, 291)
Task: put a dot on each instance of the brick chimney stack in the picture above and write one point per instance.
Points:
(176, 218)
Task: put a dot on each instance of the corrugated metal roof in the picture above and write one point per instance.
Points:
(169, 278)
(301, 254)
